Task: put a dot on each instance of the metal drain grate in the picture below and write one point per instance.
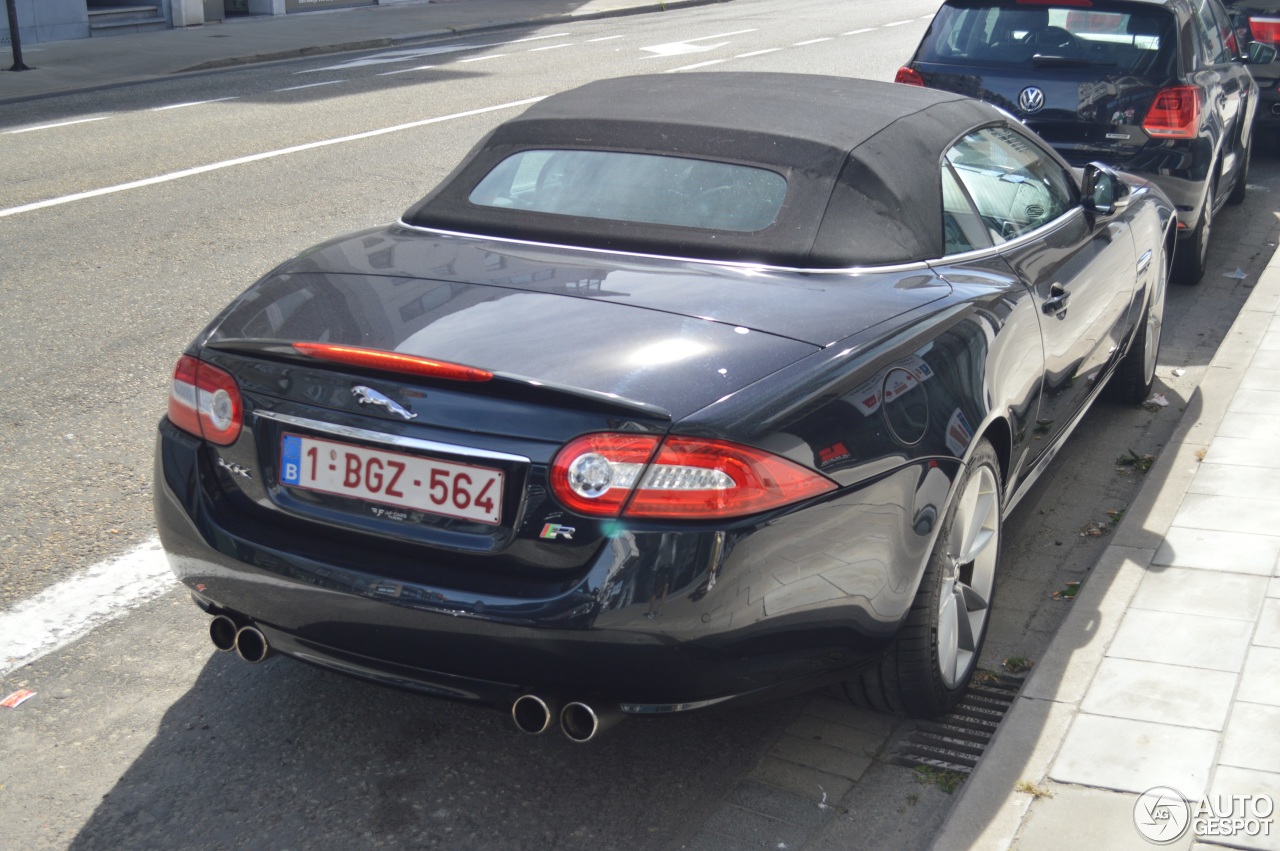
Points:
(954, 742)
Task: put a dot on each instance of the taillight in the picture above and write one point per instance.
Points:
(392, 361)
(1174, 113)
(908, 76)
(681, 478)
(205, 401)
(1266, 30)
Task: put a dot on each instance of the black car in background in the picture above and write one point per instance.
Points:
(1158, 88)
(1257, 22)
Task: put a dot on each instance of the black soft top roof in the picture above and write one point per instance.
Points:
(861, 160)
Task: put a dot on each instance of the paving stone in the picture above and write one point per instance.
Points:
(1229, 781)
(1268, 632)
(1250, 453)
(1226, 513)
(1260, 681)
(1109, 822)
(845, 738)
(1256, 378)
(1201, 592)
(775, 803)
(800, 779)
(1212, 550)
(823, 757)
(1251, 740)
(1134, 756)
(1219, 644)
(1234, 480)
(1256, 401)
(844, 712)
(754, 830)
(1167, 694)
(1251, 426)
(1273, 588)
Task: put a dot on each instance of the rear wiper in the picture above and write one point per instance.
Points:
(1039, 60)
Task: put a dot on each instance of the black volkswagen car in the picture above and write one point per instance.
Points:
(1158, 88)
(680, 390)
(1257, 23)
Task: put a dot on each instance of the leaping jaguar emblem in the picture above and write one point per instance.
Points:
(369, 396)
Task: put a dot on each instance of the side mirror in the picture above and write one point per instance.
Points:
(1261, 54)
(1103, 191)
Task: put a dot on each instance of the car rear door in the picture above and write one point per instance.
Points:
(1223, 80)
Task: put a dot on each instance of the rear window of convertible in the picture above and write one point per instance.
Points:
(629, 187)
(1117, 37)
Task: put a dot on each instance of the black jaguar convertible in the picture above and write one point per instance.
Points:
(679, 390)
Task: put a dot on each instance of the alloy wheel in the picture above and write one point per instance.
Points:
(965, 590)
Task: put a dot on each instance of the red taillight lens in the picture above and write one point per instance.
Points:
(1266, 30)
(688, 479)
(392, 362)
(1174, 113)
(205, 401)
(908, 76)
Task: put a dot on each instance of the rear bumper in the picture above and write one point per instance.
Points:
(657, 621)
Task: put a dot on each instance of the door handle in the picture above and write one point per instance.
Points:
(1057, 301)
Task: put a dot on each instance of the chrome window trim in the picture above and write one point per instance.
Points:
(728, 264)
(1017, 242)
(398, 441)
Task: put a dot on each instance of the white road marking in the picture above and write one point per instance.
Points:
(690, 45)
(695, 65)
(69, 610)
(900, 23)
(859, 32)
(543, 37)
(409, 54)
(252, 158)
(810, 41)
(758, 52)
(483, 58)
(604, 38)
(310, 85)
(59, 124)
(407, 70)
(549, 47)
(192, 103)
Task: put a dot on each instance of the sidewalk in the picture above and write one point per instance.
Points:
(90, 63)
(1166, 673)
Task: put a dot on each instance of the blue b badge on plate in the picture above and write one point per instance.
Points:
(290, 459)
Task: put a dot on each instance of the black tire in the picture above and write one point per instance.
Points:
(1136, 374)
(1191, 255)
(914, 677)
(1242, 179)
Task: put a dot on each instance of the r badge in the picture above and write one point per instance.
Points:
(555, 531)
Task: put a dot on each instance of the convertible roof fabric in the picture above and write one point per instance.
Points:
(861, 160)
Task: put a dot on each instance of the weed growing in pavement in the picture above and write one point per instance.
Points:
(1029, 788)
(1134, 461)
(946, 780)
(1017, 664)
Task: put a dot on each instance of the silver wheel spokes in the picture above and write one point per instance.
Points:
(965, 592)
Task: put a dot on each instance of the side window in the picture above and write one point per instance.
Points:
(1212, 47)
(1225, 30)
(1015, 186)
(962, 227)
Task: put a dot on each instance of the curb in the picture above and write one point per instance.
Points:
(989, 812)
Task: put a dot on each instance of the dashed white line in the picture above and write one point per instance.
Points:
(533, 38)
(859, 32)
(265, 155)
(191, 103)
(483, 58)
(549, 47)
(406, 70)
(900, 23)
(695, 65)
(758, 52)
(810, 41)
(604, 38)
(311, 85)
(59, 124)
(71, 609)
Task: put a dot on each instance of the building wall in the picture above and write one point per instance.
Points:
(47, 20)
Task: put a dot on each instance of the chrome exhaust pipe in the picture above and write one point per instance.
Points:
(582, 723)
(222, 630)
(533, 714)
(251, 645)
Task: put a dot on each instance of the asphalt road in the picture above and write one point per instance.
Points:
(141, 736)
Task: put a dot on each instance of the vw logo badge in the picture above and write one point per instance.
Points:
(1031, 100)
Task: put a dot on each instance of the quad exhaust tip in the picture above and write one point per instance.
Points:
(532, 714)
(222, 630)
(251, 645)
(582, 723)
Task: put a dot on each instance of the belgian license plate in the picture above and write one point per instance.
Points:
(404, 481)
